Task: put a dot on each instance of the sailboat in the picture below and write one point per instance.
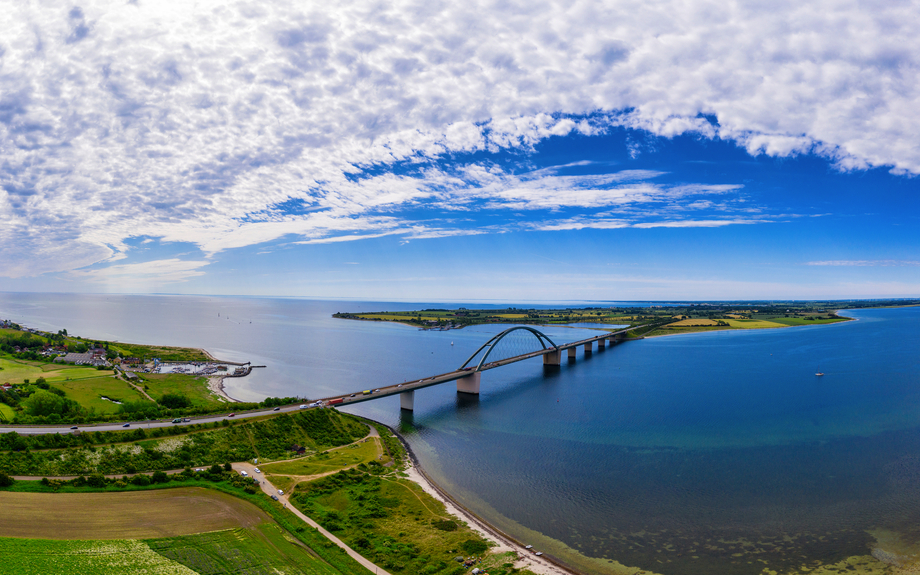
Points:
(819, 373)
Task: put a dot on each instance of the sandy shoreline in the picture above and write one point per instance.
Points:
(503, 543)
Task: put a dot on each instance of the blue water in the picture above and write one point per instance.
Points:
(717, 452)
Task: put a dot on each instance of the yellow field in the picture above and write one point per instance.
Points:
(692, 323)
(15, 371)
(753, 324)
(510, 315)
(125, 515)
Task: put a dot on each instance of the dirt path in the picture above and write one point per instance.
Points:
(270, 489)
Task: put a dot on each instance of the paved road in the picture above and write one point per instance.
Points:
(38, 430)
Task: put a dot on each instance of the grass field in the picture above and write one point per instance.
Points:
(17, 371)
(6, 412)
(42, 556)
(89, 392)
(163, 352)
(803, 321)
(329, 461)
(194, 388)
(753, 324)
(125, 515)
(262, 549)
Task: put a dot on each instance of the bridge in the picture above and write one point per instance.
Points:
(468, 375)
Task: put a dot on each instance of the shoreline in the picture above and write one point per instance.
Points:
(542, 565)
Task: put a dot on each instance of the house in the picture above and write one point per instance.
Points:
(130, 375)
(298, 449)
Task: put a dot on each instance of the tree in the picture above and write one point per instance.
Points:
(6, 480)
(175, 401)
(45, 403)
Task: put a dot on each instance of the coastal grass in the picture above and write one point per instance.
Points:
(389, 520)
(42, 556)
(802, 321)
(195, 388)
(331, 460)
(753, 324)
(164, 353)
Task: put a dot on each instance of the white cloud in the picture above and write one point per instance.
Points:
(142, 275)
(177, 120)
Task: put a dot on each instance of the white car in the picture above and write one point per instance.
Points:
(244, 474)
(257, 470)
(303, 406)
(281, 492)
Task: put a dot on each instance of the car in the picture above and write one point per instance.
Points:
(303, 406)
(277, 409)
(375, 391)
(126, 425)
(281, 492)
(244, 474)
(231, 415)
(177, 420)
(352, 395)
(275, 497)
(257, 470)
(185, 420)
(74, 427)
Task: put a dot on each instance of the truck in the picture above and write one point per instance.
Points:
(366, 392)
(335, 401)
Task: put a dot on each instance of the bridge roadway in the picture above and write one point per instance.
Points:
(409, 386)
(347, 399)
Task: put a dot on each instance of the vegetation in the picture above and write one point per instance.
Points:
(111, 452)
(40, 556)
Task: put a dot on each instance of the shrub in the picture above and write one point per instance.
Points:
(6, 480)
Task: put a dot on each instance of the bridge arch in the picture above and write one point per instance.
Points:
(490, 345)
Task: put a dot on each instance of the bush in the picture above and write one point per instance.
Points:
(175, 401)
(160, 477)
(474, 546)
(6, 480)
(140, 479)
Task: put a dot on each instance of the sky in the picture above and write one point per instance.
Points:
(460, 151)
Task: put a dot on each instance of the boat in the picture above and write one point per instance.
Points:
(818, 374)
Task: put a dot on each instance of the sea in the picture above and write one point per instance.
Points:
(707, 453)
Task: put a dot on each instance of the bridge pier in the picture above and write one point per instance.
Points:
(589, 347)
(407, 400)
(469, 383)
(601, 344)
(572, 352)
(552, 358)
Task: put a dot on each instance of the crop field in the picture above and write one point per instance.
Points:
(262, 549)
(163, 352)
(329, 461)
(693, 322)
(43, 556)
(89, 392)
(124, 515)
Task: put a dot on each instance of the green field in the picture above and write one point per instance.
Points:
(88, 392)
(753, 323)
(49, 557)
(6, 413)
(265, 548)
(331, 460)
(17, 371)
(803, 321)
(192, 387)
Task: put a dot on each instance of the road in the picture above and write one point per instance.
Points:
(151, 424)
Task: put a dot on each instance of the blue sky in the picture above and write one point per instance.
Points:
(430, 151)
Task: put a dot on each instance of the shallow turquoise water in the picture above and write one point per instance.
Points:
(722, 446)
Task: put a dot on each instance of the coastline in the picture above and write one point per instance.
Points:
(542, 565)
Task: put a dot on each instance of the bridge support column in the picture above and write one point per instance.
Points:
(589, 347)
(469, 384)
(601, 343)
(407, 400)
(572, 352)
(552, 358)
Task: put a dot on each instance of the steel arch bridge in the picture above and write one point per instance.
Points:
(493, 344)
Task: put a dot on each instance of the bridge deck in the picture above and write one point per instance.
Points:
(359, 396)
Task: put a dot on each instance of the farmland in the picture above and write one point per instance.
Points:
(41, 556)
(125, 515)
